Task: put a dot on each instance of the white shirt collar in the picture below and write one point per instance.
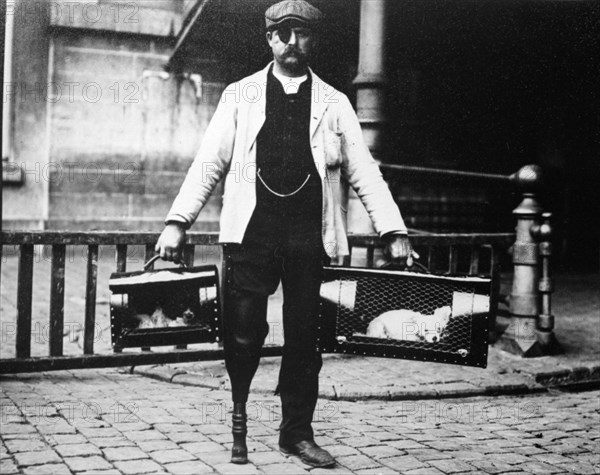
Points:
(290, 85)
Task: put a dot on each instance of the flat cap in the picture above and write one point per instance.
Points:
(298, 10)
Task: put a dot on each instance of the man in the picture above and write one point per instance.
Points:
(283, 139)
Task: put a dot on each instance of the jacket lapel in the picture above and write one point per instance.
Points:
(255, 92)
(318, 103)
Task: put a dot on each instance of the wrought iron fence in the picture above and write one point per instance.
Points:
(453, 253)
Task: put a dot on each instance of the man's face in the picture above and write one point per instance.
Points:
(291, 45)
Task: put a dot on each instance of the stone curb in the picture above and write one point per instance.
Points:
(575, 375)
(342, 393)
(540, 382)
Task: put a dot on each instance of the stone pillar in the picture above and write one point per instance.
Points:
(370, 94)
(371, 79)
(7, 101)
(26, 206)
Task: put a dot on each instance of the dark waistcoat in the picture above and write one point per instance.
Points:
(285, 164)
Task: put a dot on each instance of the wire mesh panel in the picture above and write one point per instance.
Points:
(405, 315)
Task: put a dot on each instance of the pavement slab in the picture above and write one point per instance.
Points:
(50, 469)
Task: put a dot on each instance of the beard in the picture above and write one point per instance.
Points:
(294, 60)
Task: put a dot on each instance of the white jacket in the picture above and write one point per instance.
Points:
(340, 154)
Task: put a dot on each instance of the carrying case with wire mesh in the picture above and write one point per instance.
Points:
(175, 306)
(407, 315)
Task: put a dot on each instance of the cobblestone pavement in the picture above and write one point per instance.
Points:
(114, 422)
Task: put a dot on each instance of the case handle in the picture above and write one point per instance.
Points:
(416, 267)
(157, 257)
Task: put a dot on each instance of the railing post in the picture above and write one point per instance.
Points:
(24, 299)
(91, 285)
(520, 337)
(57, 300)
(545, 326)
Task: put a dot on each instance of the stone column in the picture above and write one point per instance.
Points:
(370, 94)
(8, 82)
(26, 206)
(371, 79)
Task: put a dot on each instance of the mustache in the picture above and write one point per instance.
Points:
(292, 51)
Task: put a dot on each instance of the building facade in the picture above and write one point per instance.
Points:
(108, 100)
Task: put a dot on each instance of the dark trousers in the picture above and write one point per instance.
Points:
(294, 258)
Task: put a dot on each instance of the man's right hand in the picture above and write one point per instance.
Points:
(170, 242)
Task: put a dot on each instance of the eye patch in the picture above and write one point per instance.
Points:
(284, 33)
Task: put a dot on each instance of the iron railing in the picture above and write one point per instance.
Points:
(452, 253)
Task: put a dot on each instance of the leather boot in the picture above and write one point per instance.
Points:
(239, 451)
(310, 453)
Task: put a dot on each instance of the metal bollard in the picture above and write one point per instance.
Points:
(520, 337)
(545, 325)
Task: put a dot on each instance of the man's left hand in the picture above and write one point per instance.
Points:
(399, 250)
